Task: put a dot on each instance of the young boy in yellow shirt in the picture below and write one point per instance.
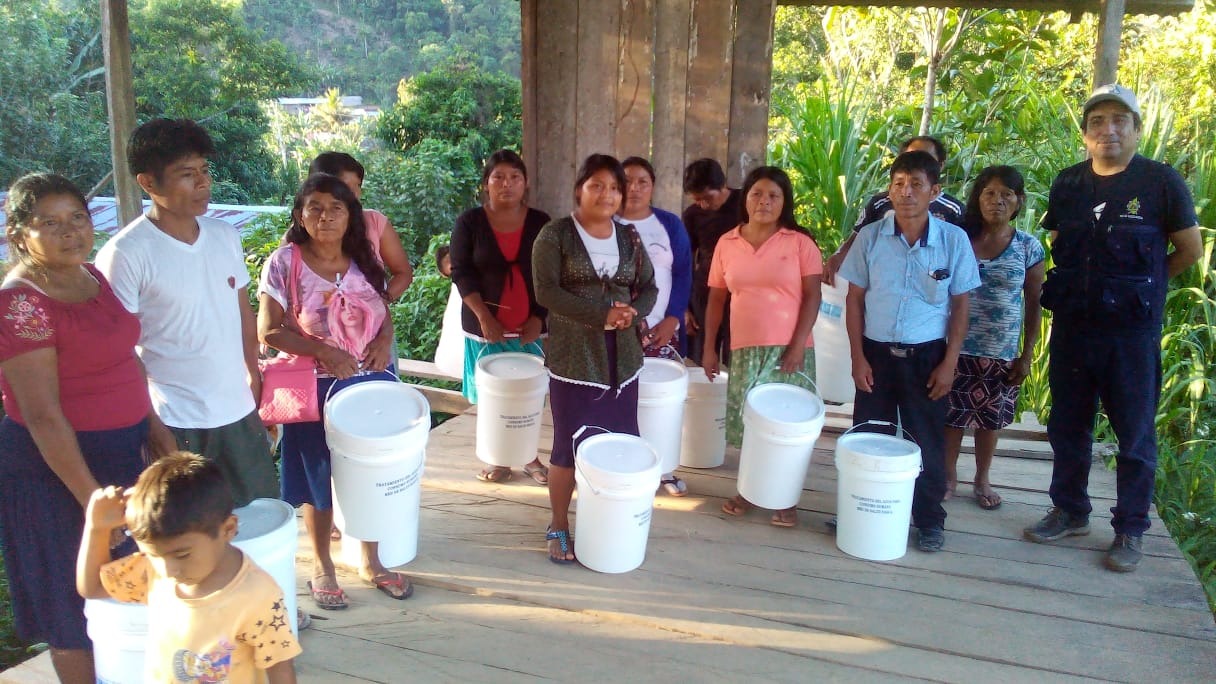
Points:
(213, 614)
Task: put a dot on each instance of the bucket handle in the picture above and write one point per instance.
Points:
(755, 381)
(534, 343)
(899, 429)
(329, 392)
(573, 439)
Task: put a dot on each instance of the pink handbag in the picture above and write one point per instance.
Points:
(289, 383)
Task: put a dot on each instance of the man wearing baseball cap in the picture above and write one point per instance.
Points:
(1112, 219)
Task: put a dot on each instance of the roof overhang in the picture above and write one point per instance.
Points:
(1074, 6)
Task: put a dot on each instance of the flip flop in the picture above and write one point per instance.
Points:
(495, 474)
(336, 597)
(988, 502)
(394, 580)
(538, 473)
(674, 486)
(563, 540)
(303, 620)
(779, 520)
(736, 506)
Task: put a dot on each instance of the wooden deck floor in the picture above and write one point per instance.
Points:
(723, 599)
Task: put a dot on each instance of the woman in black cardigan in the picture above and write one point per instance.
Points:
(491, 256)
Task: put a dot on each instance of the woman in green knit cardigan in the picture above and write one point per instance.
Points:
(595, 279)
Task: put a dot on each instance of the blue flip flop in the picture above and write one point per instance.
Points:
(563, 539)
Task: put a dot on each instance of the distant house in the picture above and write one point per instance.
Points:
(353, 104)
(105, 216)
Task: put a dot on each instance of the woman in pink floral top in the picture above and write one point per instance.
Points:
(76, 405)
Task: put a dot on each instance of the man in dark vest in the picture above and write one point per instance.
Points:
(1112, 219)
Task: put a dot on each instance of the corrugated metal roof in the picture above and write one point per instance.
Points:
(104, 211)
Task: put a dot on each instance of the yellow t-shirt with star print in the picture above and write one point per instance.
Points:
(231, 635)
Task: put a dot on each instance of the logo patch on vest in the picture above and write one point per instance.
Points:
(1133, 208)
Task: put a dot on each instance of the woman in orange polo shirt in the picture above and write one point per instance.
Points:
(771, 268)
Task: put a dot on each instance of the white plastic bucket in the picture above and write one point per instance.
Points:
(662, 389)
(876, 478)
(703, 444)
(833, 362)
(449, 354)
(780, 425)
(511, 390)
(120, 634)
(377, 434)
(392, 552)
(267, 532)
(617, 476)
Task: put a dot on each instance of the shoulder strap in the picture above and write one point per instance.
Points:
(293, 281)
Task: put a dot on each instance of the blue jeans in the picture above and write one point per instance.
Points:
(900, 396)
(1124, 372)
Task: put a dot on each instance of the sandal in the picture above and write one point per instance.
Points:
(736, 506)
(988, 502)
(327, 599)
(563, 540)
(334, 533)
(393, 585)
(495, 474)
(539, 473)
(673, 485)
(784, 518)
(303, 620)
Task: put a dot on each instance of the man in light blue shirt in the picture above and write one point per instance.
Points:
(909, 274)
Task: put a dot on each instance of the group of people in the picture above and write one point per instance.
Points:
(149, 357)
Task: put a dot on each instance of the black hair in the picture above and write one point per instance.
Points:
(354, 243)
(939, 150)
(911, 162)
(504, 156)
(178, 494)
(704, 174)
(23, 196)
(778, 176)
(642, 162)
(596, 163)
(335, 164)
(160, 142)
(973, 218)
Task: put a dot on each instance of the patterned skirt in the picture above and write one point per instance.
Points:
(751, 366)
(981, 398)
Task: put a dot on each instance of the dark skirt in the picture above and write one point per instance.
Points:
(981, 398)
(600, 410)
(41, 525)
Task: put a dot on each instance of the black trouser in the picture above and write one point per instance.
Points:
(900, 375)
(1124, 371)
(698, 302)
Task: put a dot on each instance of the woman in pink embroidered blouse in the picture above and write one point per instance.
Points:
(77, 410)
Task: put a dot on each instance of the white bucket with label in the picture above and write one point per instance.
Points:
(377, 434)
(703, 444)
(511, 390)
(876, 479)
(833, 362)
(662, 389)
(780, 425)
(267, 532)
(392, 552)
(120, 634)
(617, 476)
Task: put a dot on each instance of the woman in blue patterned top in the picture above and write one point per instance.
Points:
(991, 368)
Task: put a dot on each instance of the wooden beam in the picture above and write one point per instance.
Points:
(635, 80)
(528, 84)
(1110, 33)
(1133, 6)
(709, 79)
(751, 84)
(120, 101)
(672, 20)
(556, 112)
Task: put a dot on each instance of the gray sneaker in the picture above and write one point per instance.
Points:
(1124, 553)
(1057, 524)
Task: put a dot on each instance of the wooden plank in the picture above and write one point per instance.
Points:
(528, 84)
(120, 102)
(751, 83)
(709, 79)
(672, 25)
(556, 121)
(595, 90)
(443, 400)
(423, 369)
(635, 80)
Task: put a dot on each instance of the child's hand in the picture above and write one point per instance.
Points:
(107, 509)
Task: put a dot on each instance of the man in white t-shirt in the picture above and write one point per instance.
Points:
(183, 275)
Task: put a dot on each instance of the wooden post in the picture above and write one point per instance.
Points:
(120, 100)
(751, 86)
(1106, 53)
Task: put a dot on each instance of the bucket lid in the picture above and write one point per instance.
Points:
(878, 452)
(782, 403)
(261, 517)
(658, 371)
(512, 365)
(617, 454)
(377, 410)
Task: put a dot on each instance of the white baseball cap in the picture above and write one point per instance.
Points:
(1112, 92)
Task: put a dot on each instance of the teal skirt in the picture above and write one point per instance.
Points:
(751, 366)
(474, 350)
